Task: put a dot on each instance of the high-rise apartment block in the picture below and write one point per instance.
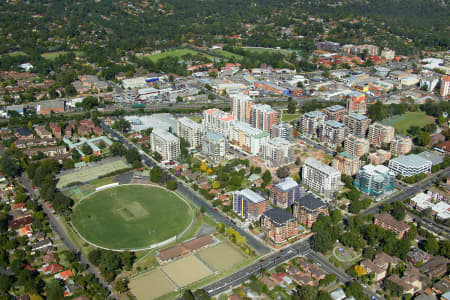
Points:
(190, 131)
(248, 138)
(218, 121)
(311, 122)
(357, 103)
(375, 180)
(283, 130)
(356, 146)
(380, 134)
(249, 205)
(277, 152)
(333, 132)
(401, 145)
(241, 107)
(320, 177)
(165, 143)
(285, 192)
(263, 117)
(214, 146)
(346, 164)
(335, 112)
(357, 124)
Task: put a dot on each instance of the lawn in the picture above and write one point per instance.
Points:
(54, 55)
(151, 285)
(186, 270)
(88, 174)
(405, 121)
(177, 53)
(227, 54)
(267, 50)
(17, 53)
(221, 257)
(131, 216)
(289, 117)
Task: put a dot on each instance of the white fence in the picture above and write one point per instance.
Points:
(106, 186)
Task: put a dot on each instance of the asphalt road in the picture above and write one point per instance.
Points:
(60, 230)
(257, 245)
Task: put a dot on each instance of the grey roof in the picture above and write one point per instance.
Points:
(286, 184)
(314, 114)
(252, 196)
(214, 136)
(51, 103)
(23, 131)
(434, 157)
(310, 201)
(335, 108)
(314, 163)
(167, 136)
(334, 124)
(411, 160)
(189, 123)
(357, 116)
(279, 216)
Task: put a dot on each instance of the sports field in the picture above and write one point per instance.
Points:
(221, 257)
(151, 285)
(227, 54)
(54, 55)
(268, 50)
(131, 216)
(405, 121)
(88, 174)
(186, 270)
(290, 117)
(177, 53)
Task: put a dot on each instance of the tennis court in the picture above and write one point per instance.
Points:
(151, 285)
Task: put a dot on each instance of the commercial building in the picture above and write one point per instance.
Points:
(218, 121)
(401, 145)
(49, 106)
(311, 122)
(165, 143)
(334, 112)
(380, 134)
(134, 83)
(190, 131)
(433, 156)
(214, 146)
(241, 107)
(320, 177)
(346, 164)
(387, 222)
(263, 117)
(249, 205)
(278, 225)
(409, 165)
(285, 192)
(333, 132)
(308, 208)
(356, 146)
(445, 86)
(283, 130)
(357, 103)
(277, 152)
(356, 124)
(375, 180)
(248, 138)
(270, 87)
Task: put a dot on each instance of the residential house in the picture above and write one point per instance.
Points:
(416, 255)
(407, 288)
(435, 267)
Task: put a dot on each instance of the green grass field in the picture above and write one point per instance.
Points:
(177, 53)
(54, 55)
(131, 216)
(267, 50)
(17, 53)
(88, 174)
(151, 285)
(221, 257)
(290, 117)
(405, 121)
(227, 54)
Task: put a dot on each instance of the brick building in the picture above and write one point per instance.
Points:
(278, 225)
(308, 208)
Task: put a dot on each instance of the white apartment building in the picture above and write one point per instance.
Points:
(380, 134)
(284, 130)
(356, 146)
(248, 138)
(214, 146)
(409, 165)
(320, 177)
(190, 131)
(333, 132)
(277, 152)
(311, 122)
(241, 107)
(218, 121)
(165, 143)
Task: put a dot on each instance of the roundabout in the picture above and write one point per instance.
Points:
(131, 217)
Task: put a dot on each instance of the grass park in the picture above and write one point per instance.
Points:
(290, 117)
(228, 54)
(131, 216)
(267, 50)
(54, 55)
(151, 285)
(179, 53)
(405, 121)
(229, 256)
(91, 173)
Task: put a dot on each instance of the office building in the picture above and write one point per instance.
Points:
(249, 205)
(190, 131)
(283, 130)
(241, 107)
(346, 164)
(356, 146)
(334, 112)
(409, 165)
(218, 121)
(376, 181)
(214, 146)
(263, 117)
(320, 177)
(278, 225)
(380, 134)
(285, 192)
(333, 133)
(356, 124)
(357, 103)
(165, 143)
(401, 145)
(308, 208)
(311, 122)
(277, 152)
(248, 138)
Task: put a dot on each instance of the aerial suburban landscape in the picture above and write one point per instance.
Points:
(223, 149)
